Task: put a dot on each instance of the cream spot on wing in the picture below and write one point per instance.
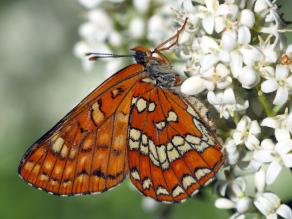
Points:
(28, 165)
(121, 117)
(57, 145)
(178, 140)
(43, 177)
(72, 153)
(160, 125)
(187, 181)
(202, 172)
(144, 139)
(161, 191)
(191, 111)
(115, 92)
(184, 148)
(192, 139)
(152, 148)
(172, 153)
(144, 148)
(133, 144)
(161, 150)
(148, 80)
(201, 147)
(135, 174)
(147, 183)
(161, 153)
(135, 134)
(151, 107)
(134, 100)
(172, 117)
(141, 104)
(177, 191)
(64, 151)
(96, 113)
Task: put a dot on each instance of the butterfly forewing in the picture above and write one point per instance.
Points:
(172, 150)
(86, 151)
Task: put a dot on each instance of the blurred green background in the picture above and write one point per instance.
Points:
(40, 81)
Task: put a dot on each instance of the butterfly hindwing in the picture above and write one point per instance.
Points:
(172, 150)
(86, 152)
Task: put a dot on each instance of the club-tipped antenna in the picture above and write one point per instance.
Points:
(93, 56)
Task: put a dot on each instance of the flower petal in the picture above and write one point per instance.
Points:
(224, 203)
(281, 96)
(273, 171)
(248, 77)
(236, 64)
(269, 122)
(208, 24)
(282, 134)
(269, 85)
(282, 72)
(192, 85)
(247, 18)
(228, 40)
(284, 211)
(228, 97)
(259, 180)
(287, 159)
(208, 61)
(283, 147)
(244, 35)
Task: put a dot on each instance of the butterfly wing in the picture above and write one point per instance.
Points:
(86, 151)
(172, 151)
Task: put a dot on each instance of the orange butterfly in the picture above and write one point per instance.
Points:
(136, 122)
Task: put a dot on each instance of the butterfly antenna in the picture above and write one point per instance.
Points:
(174, 38)
(93, 56)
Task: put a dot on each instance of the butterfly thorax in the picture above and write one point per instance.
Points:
(157, 67)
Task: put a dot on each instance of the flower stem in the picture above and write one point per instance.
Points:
(264, 102)
(276, 109)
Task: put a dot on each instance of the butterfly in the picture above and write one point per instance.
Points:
(137, 122)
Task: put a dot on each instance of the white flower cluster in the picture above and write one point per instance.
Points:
(236, 55)
(115, 26)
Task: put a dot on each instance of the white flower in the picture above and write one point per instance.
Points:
(225, 102)
(137, 28)
(270, 205)
(281, 81)
(148, 204)
(215, 77)
(276, 156)
(247, 132)
(237, 200)
(281, 123)
(232, 154)
(90, 3)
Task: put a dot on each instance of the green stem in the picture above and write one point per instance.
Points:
(264, 102)
(236, 118)
(276, 109)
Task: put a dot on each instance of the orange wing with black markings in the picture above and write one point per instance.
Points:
(172, 150)
(86, 152)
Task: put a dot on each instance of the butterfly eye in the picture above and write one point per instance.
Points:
(141, 57)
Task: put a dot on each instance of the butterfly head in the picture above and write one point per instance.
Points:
(144, 56)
